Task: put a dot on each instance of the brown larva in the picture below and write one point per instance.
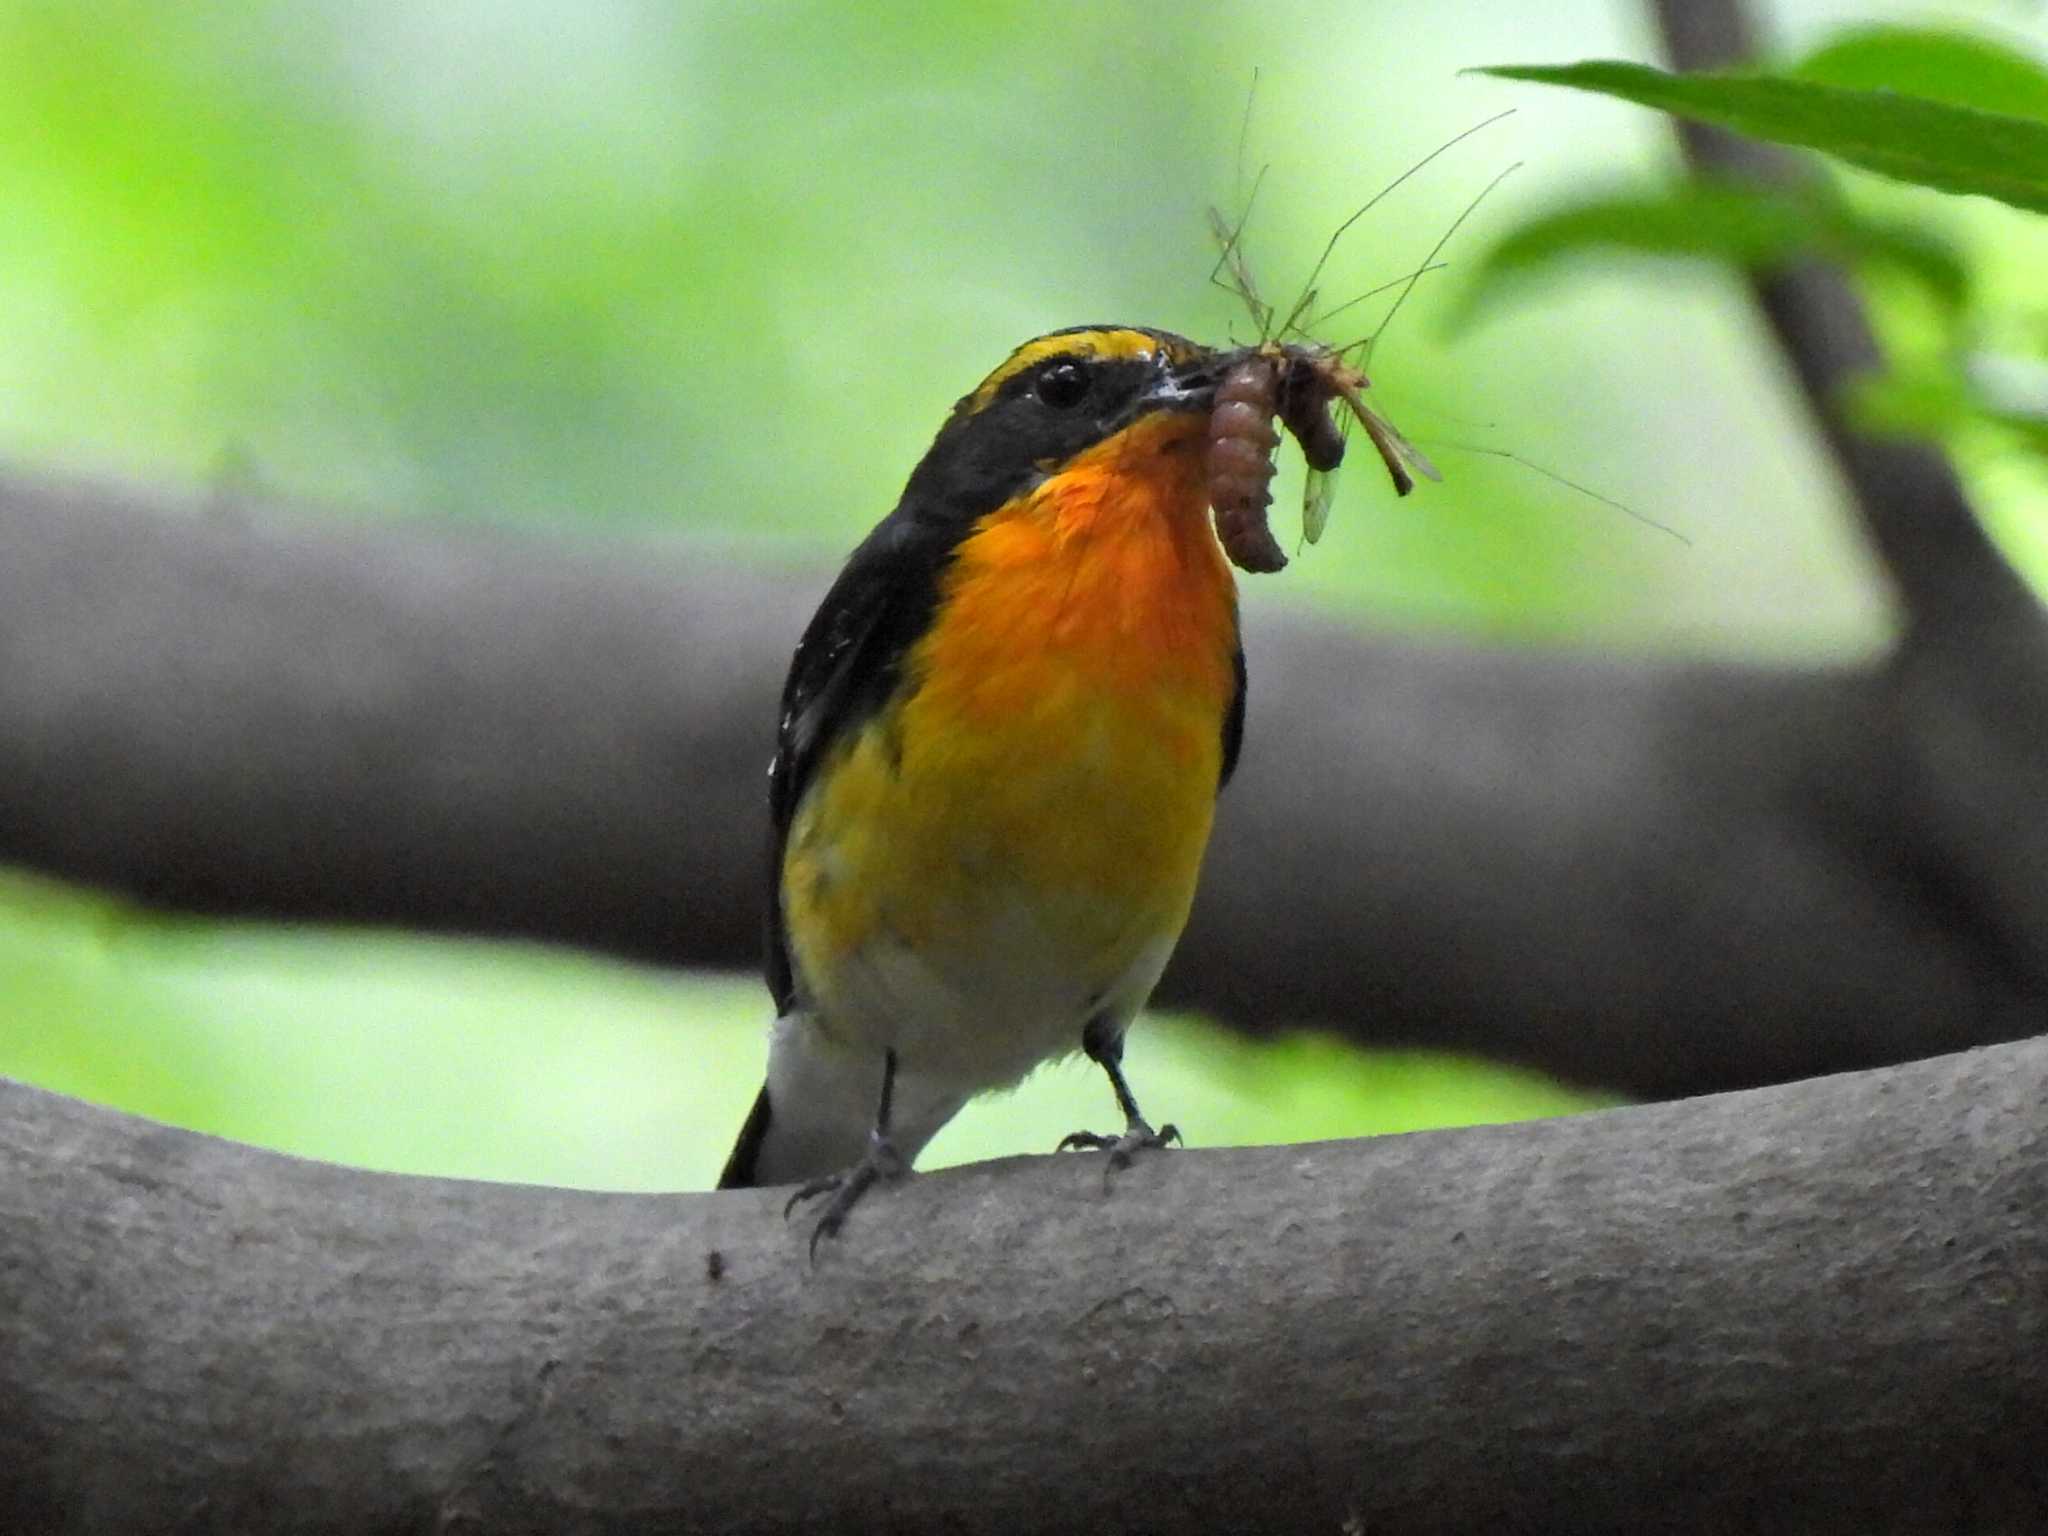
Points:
(1241, 444)
(1297, 383)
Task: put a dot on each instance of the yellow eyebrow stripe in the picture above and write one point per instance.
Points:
(1102, 343)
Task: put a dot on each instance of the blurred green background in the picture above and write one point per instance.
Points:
(626, 269)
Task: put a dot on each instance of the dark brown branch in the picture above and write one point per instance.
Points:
(1818, 1307)
(1659, 878)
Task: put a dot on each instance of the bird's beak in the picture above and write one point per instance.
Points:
(1186, 386)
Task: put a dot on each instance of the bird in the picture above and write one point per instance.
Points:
(996, 765)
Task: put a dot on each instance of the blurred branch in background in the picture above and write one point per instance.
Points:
(1968, 682)
(1654, 877)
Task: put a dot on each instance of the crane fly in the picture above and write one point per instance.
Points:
(1299, 380)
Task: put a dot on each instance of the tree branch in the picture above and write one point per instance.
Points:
(1661, 878)
(1822, 1301)
(1973, 660)
(1911, 504)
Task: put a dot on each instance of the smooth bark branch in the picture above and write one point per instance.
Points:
(1660, 878)
(434, 727)
(1825, 1304)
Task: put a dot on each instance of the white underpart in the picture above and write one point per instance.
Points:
(971, 1018)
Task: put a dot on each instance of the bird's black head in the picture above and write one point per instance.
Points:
(1052, 398)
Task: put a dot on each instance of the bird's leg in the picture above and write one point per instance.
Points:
(1105, 1047)
(879, 1164)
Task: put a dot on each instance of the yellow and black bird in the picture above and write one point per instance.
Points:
(1000, 746)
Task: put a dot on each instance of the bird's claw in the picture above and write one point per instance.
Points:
(881, 1163)
(1137, 1137)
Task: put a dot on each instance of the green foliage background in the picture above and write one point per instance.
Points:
(627, 270)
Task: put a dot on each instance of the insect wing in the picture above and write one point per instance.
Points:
(1230, 258)
(1315, 503)
(1413, 456)
(1396, 451)
(1318, 491)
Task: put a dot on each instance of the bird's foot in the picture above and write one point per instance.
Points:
(880, 1164)
(1137, 1137)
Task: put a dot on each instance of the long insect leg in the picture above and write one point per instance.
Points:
(1230, 257)
(1434, 251)
(1330, 246)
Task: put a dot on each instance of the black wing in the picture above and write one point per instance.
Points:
(846, 666)
(1233, 718)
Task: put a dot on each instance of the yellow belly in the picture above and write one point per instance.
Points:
(1012, 844)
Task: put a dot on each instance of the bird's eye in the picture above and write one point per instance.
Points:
(1062, 386)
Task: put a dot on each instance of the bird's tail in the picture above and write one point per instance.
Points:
(746, 1153)
(813, 1115)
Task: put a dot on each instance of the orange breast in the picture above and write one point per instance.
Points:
(1058, 744)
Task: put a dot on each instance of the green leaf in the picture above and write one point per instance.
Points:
(1932, 143)
(1955, 67)
(1749, 225)
(1941, 402)
(1911, 404)
(2010, 390)
(2031, 431)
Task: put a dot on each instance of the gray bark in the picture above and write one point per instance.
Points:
(1822, 1306)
